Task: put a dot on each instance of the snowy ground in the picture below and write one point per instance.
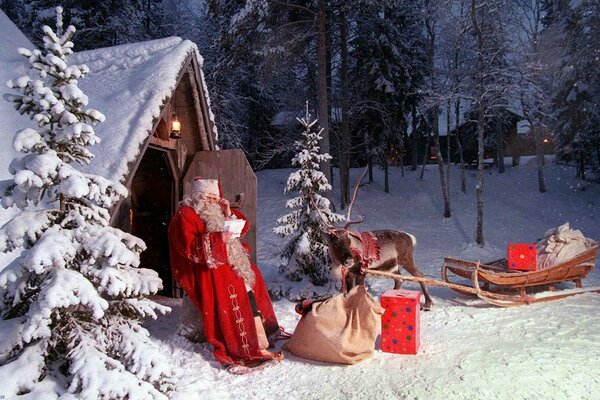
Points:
(469, 350)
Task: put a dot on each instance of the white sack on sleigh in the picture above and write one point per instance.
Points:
(561, 244)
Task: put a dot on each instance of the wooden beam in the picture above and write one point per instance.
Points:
(204, 106)
(197, 108)
(165, 144)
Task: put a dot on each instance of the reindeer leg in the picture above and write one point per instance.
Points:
(355, 275)
(398, 282)
(359, 279)
(428, 301)
(412, 269)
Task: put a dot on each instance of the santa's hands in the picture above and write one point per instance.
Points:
(226, 236)
(225, 207)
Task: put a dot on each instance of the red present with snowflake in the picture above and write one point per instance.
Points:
(522, 257)
(400, 321)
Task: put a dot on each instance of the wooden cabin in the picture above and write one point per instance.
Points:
(504, 124)
(142, 88)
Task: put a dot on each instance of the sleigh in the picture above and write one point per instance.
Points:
(495, 284)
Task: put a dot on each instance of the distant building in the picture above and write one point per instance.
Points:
(516, 139)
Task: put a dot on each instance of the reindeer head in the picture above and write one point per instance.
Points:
(339, 238)
(338, 248)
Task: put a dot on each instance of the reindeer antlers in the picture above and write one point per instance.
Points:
(350, 222)
(314, 204)
(361, 219)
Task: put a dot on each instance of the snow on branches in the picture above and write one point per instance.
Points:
(72, 301)
(305, 254)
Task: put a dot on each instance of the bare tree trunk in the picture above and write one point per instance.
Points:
(537, 16)
(345, 133)
(370, 168)
(580, 165)
(500, 148)
(401, 159)
(414, 140)
(434, 113)
(386, 179)
(425, 156)
(148, 18)
(322, 76)
(480, 125)
(446, 196)
(448, 147)
(463, 178)
(539, 151)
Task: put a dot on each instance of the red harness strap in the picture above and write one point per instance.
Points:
(368, 250)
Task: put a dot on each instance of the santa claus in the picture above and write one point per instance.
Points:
(214, 269)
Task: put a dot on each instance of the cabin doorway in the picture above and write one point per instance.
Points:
(151, 207)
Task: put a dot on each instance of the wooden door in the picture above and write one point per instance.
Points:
(151, 205)
(234, 173)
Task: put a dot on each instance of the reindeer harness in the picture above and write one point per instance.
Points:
(364, 253)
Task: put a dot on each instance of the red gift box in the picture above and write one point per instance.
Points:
(400, 321)
(522, 257)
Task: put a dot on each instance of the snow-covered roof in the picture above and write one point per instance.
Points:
(523, 127)
(442, 119)
(129, 84)
(12, 65)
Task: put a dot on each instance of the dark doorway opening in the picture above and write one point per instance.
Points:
(151, 205)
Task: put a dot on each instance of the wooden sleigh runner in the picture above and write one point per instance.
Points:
(497, 285)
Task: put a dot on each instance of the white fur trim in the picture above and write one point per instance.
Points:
(207, 186)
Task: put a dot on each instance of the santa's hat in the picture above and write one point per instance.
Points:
(206, 186)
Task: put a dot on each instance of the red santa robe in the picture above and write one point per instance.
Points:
(218, 292)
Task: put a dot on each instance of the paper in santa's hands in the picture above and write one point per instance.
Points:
(234, 226)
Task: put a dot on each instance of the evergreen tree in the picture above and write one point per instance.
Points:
(389, 63)
(578, 95)
(72, 301)
(306, 251)
(103, 23)
(243, 106)
(14, 10)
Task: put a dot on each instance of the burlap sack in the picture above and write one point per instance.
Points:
(341, 329)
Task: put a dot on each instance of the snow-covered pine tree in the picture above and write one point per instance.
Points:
(305, 253)
(577, 93)
(72, 301)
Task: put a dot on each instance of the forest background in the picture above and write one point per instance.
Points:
(397, 83)
(391, 82)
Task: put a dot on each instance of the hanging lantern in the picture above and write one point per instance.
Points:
(175, 127)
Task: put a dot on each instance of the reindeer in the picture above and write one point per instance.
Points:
(396, 249)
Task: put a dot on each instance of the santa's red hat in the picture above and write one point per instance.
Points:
(206, 186)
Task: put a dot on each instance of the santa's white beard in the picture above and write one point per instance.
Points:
(213, 217)
(211, 214)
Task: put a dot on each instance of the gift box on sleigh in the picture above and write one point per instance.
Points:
(522, 257)
(400, 330)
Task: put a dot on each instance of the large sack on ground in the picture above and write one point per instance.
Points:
(342, 329)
